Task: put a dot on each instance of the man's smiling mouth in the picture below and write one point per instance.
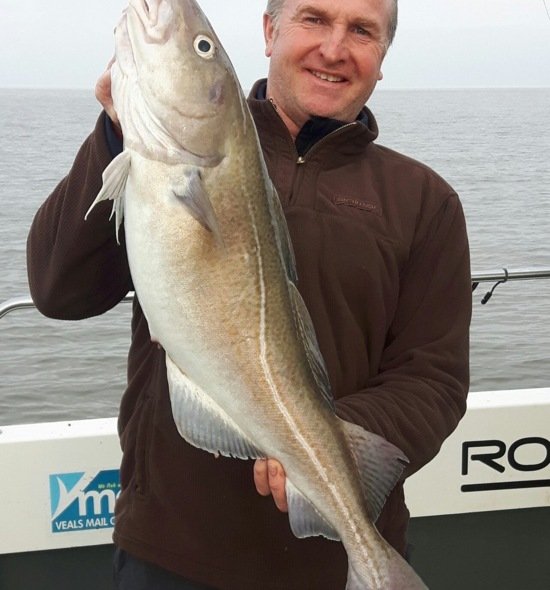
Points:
(327, 77)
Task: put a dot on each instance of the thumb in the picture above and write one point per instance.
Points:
(103, 93)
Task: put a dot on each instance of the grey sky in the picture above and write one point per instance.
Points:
(439, 43)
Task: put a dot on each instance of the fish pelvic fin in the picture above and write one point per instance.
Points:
(114, 178)
(194, 197)
(380, 465)
(202, 423)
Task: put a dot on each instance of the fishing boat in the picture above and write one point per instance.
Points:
(480, 510)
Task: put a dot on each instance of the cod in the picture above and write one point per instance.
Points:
(213, 269)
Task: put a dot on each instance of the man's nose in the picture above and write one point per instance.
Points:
(334, 47)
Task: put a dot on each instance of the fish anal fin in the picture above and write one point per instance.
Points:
(305, 519)
(380, 465)
(194, 197)
(114, 178)
(202, 423)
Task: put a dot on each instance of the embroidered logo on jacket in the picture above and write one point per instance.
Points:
(357, 204)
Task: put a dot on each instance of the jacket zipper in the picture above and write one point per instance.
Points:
(303, 159)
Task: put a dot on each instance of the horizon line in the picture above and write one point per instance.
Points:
(379, 89)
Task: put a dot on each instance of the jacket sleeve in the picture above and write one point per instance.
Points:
(419, 394)
(76, 268)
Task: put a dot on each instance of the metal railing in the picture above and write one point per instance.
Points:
(497, 277)
(504, 275)
(17, 303)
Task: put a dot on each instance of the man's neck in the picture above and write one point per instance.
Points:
(305, 134)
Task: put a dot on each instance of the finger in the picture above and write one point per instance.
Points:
(103, 93)
(277, 484)
(103, 84)
(261, 478)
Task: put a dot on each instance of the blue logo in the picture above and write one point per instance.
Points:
(83, 501)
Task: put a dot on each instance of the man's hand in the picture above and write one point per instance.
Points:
(103, 94)
(270, 478)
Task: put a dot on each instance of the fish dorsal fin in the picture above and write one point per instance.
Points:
(307, 331)
(281, 232)
(193, 196)
(202, 423)
(114, 178)
(305, 520)
(380, 465)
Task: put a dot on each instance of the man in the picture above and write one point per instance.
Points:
(383, 265)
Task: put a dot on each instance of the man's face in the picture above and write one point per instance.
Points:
(325, 57)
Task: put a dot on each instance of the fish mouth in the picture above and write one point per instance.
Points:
(133, 25)
(155, 18)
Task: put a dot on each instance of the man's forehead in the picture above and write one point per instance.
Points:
(360, 7)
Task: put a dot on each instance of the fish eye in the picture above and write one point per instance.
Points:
(204, 46)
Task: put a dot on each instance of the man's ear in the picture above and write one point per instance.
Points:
(269, 34)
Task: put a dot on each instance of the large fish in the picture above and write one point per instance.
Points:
(213, 269)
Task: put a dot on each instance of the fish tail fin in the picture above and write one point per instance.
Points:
(393, 573)
(380, 465)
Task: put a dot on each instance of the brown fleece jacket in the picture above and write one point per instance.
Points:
(383, 266)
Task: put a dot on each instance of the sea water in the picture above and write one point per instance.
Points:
(491, 145)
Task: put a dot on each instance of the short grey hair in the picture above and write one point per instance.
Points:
(275, 7)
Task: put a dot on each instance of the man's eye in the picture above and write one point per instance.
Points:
(312, 20)
(363, 32)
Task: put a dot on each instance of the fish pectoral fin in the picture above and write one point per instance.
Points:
(305, 519)
(194, 197)
(202, 423)
(304, 325)
(114, 177)
(380, 465)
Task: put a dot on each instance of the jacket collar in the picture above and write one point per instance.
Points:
(362, 132)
